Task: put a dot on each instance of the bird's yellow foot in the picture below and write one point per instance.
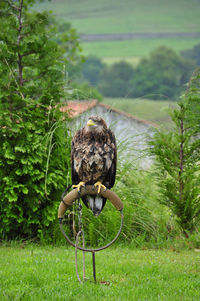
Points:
(81, 184)
(99, 185)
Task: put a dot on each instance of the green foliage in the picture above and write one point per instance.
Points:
(177, 158)
(82, 92)
(27, 57)
(193, 54)
(30, 52)
(33, 170)
(34, 157)
(162, 75)
(145, 221)
(68, 40)
(114, 80)
(193, 101)
(91, 69)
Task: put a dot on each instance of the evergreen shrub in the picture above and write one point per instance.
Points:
(33, 170)
(177, 159)
(34, 139)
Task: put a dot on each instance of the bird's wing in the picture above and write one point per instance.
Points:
(74, 175)
(112, 170)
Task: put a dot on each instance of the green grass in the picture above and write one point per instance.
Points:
(116, 16)
(152, 110)
(48, 273)
(133, 49)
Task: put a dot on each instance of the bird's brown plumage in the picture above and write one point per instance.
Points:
(94, 154)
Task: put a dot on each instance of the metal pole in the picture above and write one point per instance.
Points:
(94, 268)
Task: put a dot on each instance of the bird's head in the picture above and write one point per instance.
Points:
(96, 124)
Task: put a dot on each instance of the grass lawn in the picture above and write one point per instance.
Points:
(48, 273)
(152, 110)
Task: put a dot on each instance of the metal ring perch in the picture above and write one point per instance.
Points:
(89, 190)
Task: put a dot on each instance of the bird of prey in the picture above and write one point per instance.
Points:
(93, 160)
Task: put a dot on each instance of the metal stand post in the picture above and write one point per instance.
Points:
(68, 201)
(94, 268)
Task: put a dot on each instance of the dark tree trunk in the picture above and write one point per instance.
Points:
(20, 65)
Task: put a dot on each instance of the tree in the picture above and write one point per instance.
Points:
(177, 157)
(91, 70)
(193, 98)
(35, 146)
(114, 80)
(28, 54)
(193, 54)
(69, 42)
(162, 75)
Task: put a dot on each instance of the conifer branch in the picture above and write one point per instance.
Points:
(12, 5)
(12, 73)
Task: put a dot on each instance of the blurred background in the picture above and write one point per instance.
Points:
(133, 50)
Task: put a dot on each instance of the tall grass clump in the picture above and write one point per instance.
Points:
(146, 222)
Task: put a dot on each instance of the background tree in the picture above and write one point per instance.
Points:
(193, 54)
(92, 69)
(193, 97)
(177, 155)
(162, 75)
(34, 141)
(114, 80)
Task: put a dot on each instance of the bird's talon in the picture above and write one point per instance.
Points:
(81, 184)
(99, 185)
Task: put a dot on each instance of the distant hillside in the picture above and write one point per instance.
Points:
(130, 16)
(117, 16)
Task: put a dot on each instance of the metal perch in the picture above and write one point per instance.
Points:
(71, 197)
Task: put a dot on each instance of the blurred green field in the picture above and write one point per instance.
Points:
(134, 16)
(133, 50)
(116, 16)
(152, 110)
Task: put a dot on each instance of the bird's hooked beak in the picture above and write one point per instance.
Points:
(90, 123)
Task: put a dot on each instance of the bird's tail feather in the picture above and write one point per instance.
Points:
(95, 203)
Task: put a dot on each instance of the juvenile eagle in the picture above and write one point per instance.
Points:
(93, 160)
